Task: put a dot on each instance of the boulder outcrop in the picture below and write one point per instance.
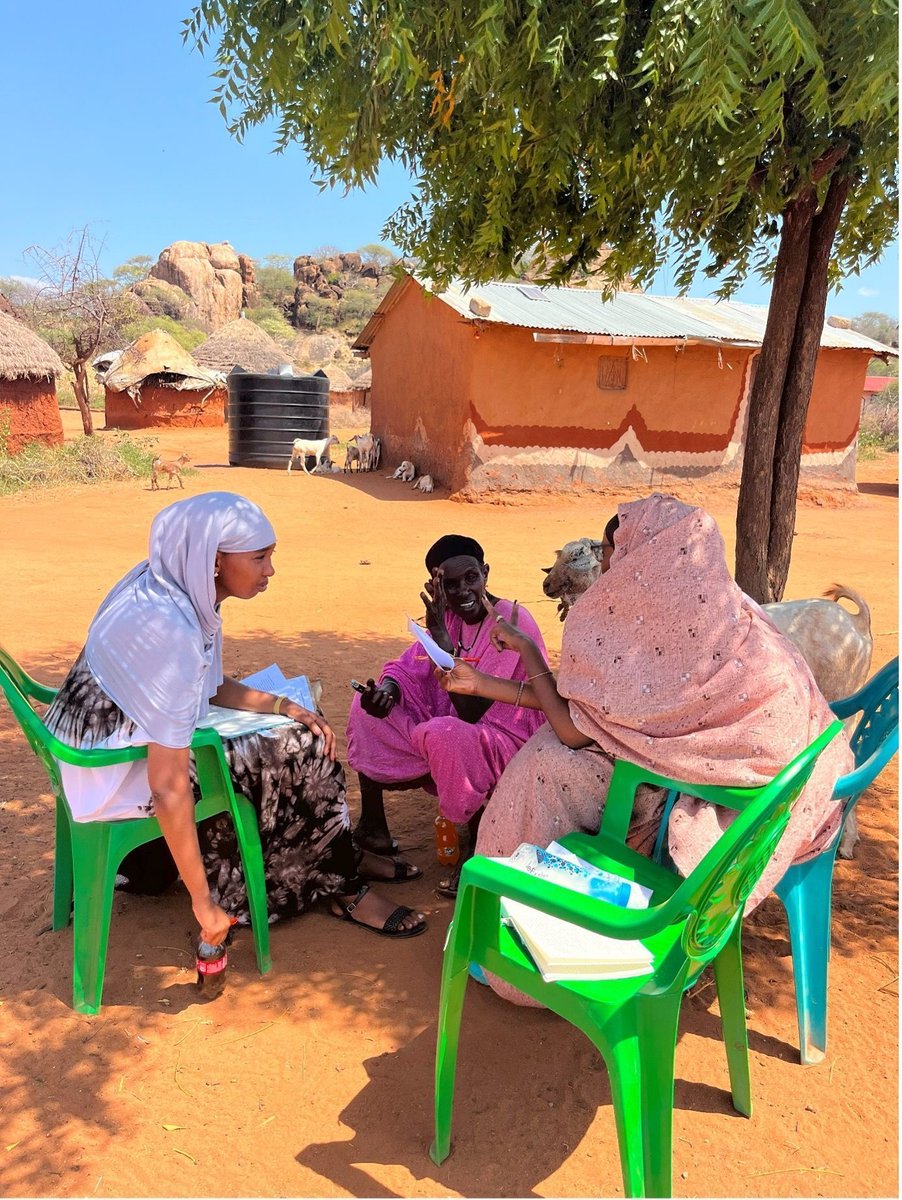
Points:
(219, 281)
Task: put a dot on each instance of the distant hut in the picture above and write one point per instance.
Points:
(240, 344)
(29, 369)
(343, 389)
(154, 384)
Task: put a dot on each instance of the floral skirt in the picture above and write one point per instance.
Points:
(298, 793)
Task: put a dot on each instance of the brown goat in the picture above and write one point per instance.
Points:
(170, 467)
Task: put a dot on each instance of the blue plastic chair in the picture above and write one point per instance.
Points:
(806, 889)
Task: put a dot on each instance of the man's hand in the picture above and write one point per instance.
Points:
(379, 699)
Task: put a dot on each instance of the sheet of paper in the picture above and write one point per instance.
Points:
(440, 657)
(233, 722)
(272, 679)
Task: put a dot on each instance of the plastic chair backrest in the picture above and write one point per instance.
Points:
(875, 738)
(23, 681)
(711, 897)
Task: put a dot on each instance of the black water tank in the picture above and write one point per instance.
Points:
(267, 412)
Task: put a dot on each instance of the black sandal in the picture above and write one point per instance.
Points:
(448, 887)
(404, 871)
(363, 842)
(390, 927)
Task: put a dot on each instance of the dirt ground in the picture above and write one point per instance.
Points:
(317, 1080)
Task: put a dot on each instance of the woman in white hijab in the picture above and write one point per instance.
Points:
(151, 666)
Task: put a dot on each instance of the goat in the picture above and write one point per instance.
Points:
(406, 472)
(576, 567)
(424, 483)
(377, 452)
(170, 467)
(360, 449)
(301, 447)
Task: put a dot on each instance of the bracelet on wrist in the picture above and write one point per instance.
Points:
(277, 704)
(539, 676)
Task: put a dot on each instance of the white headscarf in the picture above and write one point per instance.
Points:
(155, 645)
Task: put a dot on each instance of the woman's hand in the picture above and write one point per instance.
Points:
(379, 699)
(436, 607)
(463, 679)
(504, 635)
(214, 921)
(317, 725)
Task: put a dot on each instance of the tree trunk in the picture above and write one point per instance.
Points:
(83, 396)
(797, 388)
(760, 440)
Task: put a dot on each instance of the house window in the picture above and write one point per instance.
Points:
(612, 374)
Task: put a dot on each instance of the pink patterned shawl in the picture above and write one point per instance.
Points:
(668, 664)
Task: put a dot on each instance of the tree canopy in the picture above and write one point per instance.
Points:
(661, 128)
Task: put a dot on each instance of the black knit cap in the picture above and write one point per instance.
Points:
(451, 546)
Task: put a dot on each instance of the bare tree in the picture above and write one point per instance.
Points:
(76, 309)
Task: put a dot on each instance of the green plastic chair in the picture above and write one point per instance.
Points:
(88, 853)
(632, 1022)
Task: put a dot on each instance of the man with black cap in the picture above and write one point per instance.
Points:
(406, 731)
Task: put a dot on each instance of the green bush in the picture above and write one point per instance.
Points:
(275, 284)
(320, 313)
(271, 321)
(86, 460)
(186, 333)
(356, 307)
(879, 428)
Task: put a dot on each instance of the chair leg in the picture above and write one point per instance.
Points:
(95, 876)
(658, 1020)
(619, 1047)
(62, 870)
(451, 1002)
(251, 852)
(806, 892)
(731, 999)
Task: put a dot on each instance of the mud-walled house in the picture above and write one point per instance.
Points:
(510, 386)
(154, 383)
(29, 369)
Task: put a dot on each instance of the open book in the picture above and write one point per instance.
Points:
(562, 950)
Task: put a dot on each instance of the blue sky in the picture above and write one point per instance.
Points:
(107, 124)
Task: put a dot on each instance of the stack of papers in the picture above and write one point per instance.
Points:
(233, 722)
(562, 950)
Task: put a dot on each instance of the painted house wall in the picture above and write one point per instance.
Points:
(488, 408)
(29, 412)
(165, 408)
(419, 399)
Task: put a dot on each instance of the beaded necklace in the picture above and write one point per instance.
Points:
(460, 645)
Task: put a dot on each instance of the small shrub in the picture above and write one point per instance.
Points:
(879, 428)
(86, 460)
(186, 333)
(270, 320)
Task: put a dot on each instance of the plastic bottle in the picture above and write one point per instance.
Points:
(447, 846)
(589, 880)
(211, 963)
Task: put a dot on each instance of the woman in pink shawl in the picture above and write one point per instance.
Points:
(667, 663)
(406, 731)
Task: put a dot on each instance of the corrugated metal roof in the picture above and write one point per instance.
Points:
(630, 314)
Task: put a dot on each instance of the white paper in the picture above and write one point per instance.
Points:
(440, 657)
(573, 952)
(272, 679)
(235, 722)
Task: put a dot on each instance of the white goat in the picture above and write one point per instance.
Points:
(301, 447)
(424, 483)
(377, 452)
(360, 450)
(576, 567)
(406, 472)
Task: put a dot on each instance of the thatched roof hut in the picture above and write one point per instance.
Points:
(24, 355)
(241, 343)
(29, 369)
(154, 382)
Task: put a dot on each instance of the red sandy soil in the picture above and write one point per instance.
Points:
(317, 1080)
